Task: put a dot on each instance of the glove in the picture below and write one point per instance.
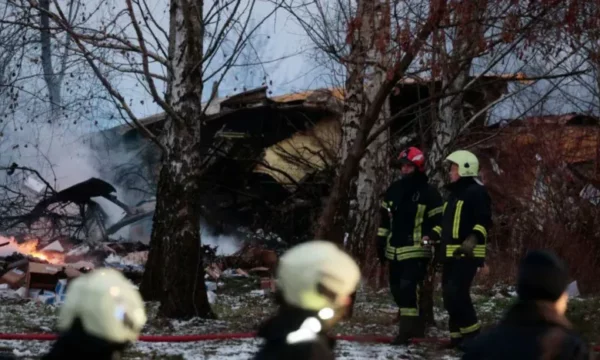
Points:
(466, 248)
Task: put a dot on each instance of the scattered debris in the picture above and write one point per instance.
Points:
(573, 290)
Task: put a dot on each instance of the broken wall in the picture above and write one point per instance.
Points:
(540, 177)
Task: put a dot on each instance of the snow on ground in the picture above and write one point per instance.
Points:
(241, 308)
(230, 350)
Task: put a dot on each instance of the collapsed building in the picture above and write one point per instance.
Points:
(269, 159)
(543, 174)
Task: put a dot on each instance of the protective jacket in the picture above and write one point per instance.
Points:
(279, 344)
(530, 330)
(411, 208)
(77, 344)
(466, 212)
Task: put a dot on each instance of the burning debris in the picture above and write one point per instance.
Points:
(29, 249)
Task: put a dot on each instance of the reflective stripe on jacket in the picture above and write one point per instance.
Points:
(410, 210)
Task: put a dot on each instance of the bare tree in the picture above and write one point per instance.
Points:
(202, 42)
(54, 79)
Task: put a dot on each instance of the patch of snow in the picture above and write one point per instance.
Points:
(233, 349)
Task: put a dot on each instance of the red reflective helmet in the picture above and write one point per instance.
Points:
(413, 156)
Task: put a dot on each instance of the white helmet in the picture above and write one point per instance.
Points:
(107, 304)
(316, 275)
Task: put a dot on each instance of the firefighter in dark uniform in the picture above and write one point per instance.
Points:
(315, 283)
(411, 208)
(535, 327)
(462, 240)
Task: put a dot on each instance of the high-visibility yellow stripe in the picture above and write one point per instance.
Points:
(438, 229)
(383, 232)
(470, 329)
(455, 335)
(456, 227)
(435, 211)
(407, 252)
(409, 312)
(418, 223)
(478, 252)
(414, 255)
(444, 209)
(481, 229)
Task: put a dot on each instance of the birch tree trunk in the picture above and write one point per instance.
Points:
(455, 77)
(46, 58)
(373, 170)
(362, 112)
(451, 115)
(174, 271)
(52, 78)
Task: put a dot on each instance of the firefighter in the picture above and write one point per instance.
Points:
(315, 282)
(535, 327)
(103, 313)
(410, 210)
(462, 243)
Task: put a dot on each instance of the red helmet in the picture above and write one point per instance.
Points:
(413, 156)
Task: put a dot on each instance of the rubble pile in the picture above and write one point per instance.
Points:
(42, 271)
(251, 261)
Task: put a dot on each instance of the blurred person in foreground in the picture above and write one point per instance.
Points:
(103, 313)
(535, 327)
(315, 282)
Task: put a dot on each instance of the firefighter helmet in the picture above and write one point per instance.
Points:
(412, 156)
(467, 162)
(107, 305)
(317, 275)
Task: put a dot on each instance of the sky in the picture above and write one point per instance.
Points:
(280, 38)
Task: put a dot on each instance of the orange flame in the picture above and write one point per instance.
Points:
(29, 247)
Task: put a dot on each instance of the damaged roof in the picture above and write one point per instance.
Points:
(327, 98)
(570, 139)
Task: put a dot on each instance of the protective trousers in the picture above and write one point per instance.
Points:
(406, 279)
(457, 277)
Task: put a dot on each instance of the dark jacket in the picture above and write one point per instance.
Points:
(77, 344)
(529, 331)
(411, 208)
(468, 211)
(275, 333)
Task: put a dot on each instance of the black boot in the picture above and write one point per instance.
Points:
(408, 325)
(419, 327)
(467, 338)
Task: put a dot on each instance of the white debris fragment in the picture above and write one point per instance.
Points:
(80, 250)
(54, 246)
(210, 285)
(573, 290)
(212, 297)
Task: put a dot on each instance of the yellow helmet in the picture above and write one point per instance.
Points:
(316, 275)
(107, 304)
(468, 164)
